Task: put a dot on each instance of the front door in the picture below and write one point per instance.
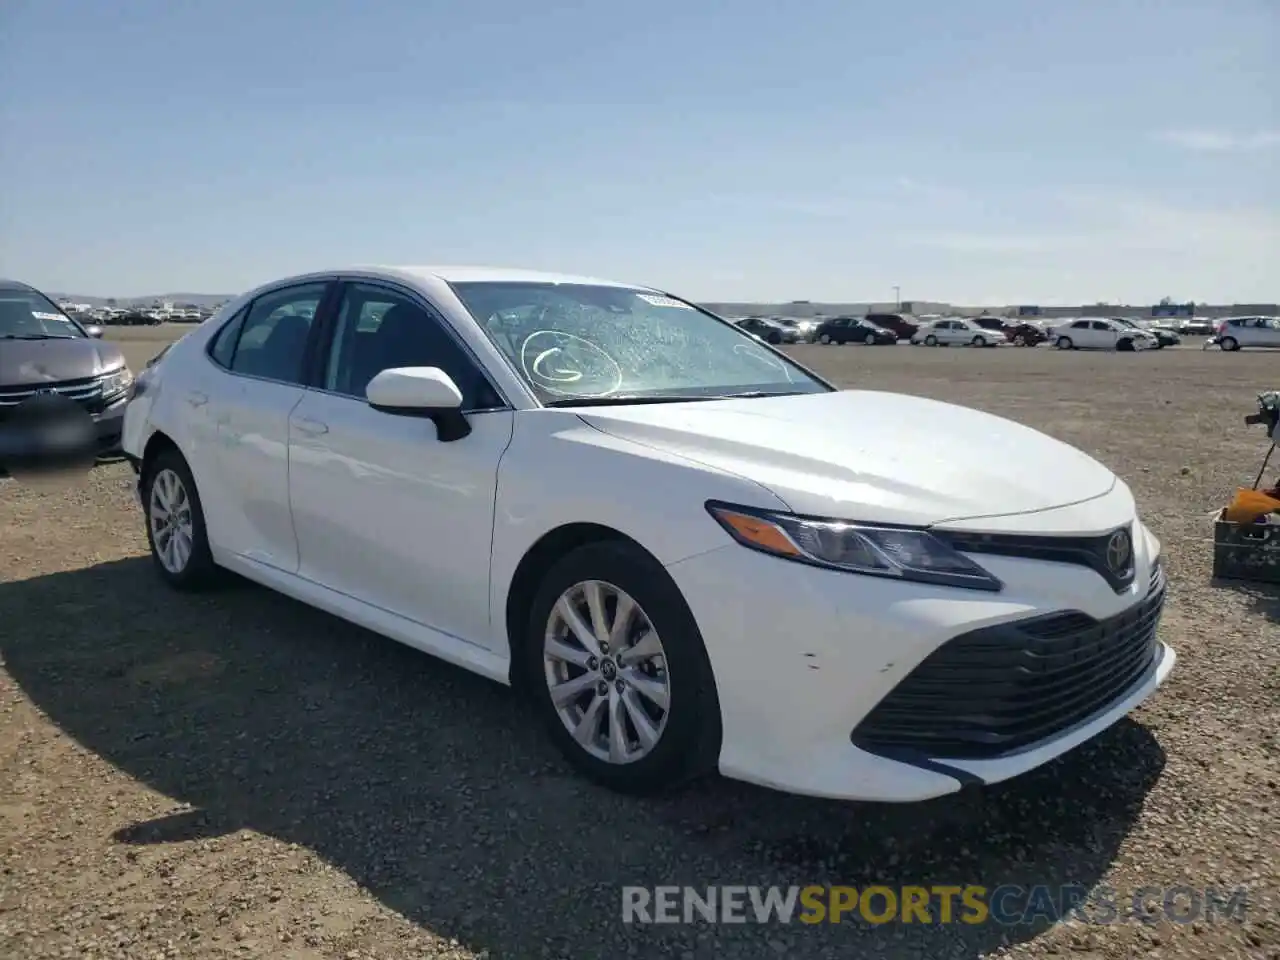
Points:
(384, 511)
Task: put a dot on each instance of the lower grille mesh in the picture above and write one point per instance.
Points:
(998, 689)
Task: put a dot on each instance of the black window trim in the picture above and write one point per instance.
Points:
(238, 318)
(318, 361)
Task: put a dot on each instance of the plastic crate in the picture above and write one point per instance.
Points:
(1246, 551)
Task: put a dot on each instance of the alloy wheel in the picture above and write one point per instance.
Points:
(606, 670)
(169, 513)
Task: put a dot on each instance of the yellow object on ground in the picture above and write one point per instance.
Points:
(1248, 505)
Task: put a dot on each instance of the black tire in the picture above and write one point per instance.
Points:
(825, 339)
(690, 743)
(1125, 346)
(1229, 343)
(1064, 343)
(979, 341)
(931, 341)
(870, 339)
(200, 571)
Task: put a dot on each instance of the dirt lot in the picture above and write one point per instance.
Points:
(239, 776)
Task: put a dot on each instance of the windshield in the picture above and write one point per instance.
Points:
(593, 342)
(30, 315)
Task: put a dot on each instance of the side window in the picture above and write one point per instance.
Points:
(223, 348)
(273, 336)
(1101, 325)
(1080, 325)
(379, 329)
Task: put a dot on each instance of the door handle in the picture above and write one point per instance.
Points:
(197, 399)
(310, 428)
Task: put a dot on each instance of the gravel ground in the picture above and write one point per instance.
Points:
(239, 776)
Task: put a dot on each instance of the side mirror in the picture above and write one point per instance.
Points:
(94, 331)
(426, 392)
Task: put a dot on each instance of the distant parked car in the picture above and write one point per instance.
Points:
(136, 318)
(770, 331)
(1163, 336)
(896, 322)
(44, 353)
(955, 331)
(806, 329)
(1094, 334)
(1196, 327)
(855, 330)
(1026, 333)
(993, 323)
(1236, 332)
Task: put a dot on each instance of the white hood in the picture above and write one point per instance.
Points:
(870, 456)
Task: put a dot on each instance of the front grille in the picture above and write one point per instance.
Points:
(1088, 552)
(86, 391)
(996, 690)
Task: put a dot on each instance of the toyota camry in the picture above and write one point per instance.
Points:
(691, 552)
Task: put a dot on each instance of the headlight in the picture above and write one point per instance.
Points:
(117, 381)
(902, 553)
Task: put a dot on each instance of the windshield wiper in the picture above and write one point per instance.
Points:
(621, 399)
(753, 394)
(34, 336)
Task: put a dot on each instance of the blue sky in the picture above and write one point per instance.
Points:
(988, 151)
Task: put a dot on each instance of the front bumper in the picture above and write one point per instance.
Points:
(110, 427)
(799, 666)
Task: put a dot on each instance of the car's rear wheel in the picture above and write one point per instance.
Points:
(1229, 343)
(175, 523)
(1064, 343)
(619, 671)
(931, 341)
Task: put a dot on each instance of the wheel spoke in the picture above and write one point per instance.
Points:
(618, 747)
(622, 617)
(577, 626)
(595, 605)
(652, 690)
(645, 648)
(589, 726)
(562, 694)
(563, 652)
(645, 730)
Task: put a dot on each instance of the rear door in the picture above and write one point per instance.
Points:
(244, 480)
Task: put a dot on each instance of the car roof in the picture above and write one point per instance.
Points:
(477, 274)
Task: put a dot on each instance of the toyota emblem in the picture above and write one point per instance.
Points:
(1119, 552)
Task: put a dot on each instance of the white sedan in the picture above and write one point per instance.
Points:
(1087, 334)
(692, 552)
(958, 332)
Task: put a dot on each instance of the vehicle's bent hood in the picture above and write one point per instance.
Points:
(870, 456)
(44, 361)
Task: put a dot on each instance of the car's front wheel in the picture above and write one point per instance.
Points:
(175, 523)
(618, 670)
